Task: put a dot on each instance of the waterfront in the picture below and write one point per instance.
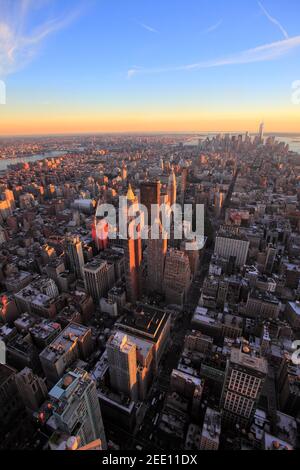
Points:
(33, 158)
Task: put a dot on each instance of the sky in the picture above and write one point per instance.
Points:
(73, 66)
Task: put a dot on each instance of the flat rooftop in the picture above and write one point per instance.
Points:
(249, 360)
(64, 341)
(146, 321)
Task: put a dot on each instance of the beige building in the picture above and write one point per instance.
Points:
(177, 277)
(244, 379)
(122, 359)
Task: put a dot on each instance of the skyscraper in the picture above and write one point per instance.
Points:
(172, 188)
(150, 195)
(156, 256)
(76, 407)
(184, 176)
(261, 131)
(244, 379)
(74, 252)
(97, 277)
(121, 352)
(133, 255)
(177, 276)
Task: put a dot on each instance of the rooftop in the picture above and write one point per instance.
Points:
(64, 341)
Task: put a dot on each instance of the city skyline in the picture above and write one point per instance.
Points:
(87, 67)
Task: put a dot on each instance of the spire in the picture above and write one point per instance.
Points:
(130, 194)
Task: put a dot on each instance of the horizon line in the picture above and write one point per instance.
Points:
(156, 132)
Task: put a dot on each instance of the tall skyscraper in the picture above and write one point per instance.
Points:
(133, 256)
(172, 188)
(156, 256)
(150, 195)
(121, 352)
(244, 379)
(261, 131)
(184, 176)
(76, 408)
(74, 252)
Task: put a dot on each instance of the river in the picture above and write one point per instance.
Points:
(33, 158)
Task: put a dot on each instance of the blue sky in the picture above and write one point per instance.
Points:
(154, 59)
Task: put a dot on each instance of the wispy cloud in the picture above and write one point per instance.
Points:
(273, 20)
(263, 53)
(212, 28)
(147, 27)
(19, 44)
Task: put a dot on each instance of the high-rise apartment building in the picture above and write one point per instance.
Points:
(76, 408)
(122, 358)
(244, 379)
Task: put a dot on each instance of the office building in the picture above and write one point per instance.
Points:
(156, 255)
(244, 379)
(172, 188)
(151, 324)
(74, 253)
(99, 277)
(150, 195)
(228, 246)
(122, 359)
(133, 256)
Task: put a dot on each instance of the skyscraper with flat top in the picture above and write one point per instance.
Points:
(133, 255)
(121, 352)
(150, 195)
(244, 379)
(172, 188)
(156, 256)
